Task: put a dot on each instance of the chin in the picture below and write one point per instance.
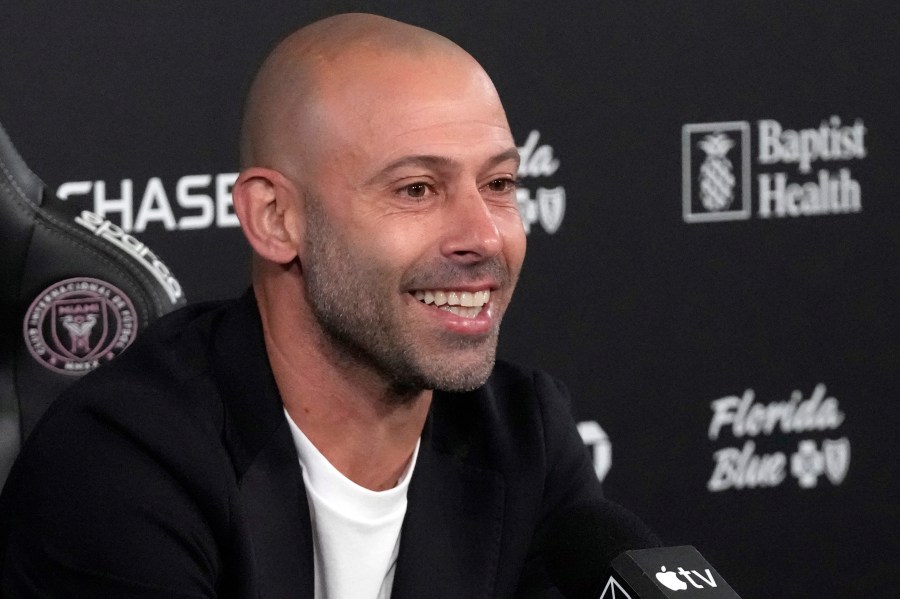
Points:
(461, 379)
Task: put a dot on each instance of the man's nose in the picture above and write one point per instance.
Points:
(471, 232)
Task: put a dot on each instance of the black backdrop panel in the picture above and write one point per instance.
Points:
(711, 196)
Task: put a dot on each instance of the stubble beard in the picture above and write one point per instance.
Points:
(344, 288)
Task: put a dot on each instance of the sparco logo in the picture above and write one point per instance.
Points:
(544, 205)
(134, 248)
(718, 183)
(76, 324)
(777, 425)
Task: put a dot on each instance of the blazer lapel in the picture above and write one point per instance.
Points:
(275, 535)
(450, 541)
(276, 521)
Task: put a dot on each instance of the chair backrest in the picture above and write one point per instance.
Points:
(75, 293)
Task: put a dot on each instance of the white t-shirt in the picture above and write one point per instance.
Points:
(356, 531)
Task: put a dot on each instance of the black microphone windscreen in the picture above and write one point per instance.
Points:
(582, 542)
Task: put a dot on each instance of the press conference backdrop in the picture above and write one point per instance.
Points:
(710, 191)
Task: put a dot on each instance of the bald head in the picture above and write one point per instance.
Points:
(378, 164)
(284, 105)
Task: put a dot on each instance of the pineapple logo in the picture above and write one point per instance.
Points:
(716, 173)
(715, 159)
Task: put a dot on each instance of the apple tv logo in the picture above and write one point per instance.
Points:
(671, 581)
(666, 573)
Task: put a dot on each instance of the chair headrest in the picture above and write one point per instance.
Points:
(76, 292)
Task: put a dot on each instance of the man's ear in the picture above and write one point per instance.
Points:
(268, 205)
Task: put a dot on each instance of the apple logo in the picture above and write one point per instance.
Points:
(671, 580)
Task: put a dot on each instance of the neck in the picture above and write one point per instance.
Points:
(362, 424)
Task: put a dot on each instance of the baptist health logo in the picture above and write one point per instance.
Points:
(717, 170)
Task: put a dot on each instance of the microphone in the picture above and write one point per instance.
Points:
(604, 551)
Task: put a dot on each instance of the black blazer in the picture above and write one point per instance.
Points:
(172, 473)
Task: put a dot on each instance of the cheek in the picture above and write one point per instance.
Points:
(513, 234)
(390, 246)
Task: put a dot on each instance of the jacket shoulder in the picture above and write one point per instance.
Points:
(127, 472)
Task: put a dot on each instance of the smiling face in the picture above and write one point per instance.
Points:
(413, 242)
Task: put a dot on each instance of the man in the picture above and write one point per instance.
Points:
(341, 431)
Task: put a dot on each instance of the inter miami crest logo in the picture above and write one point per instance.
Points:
(716, 171)
(77, 324)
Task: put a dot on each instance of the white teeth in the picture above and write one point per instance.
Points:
(465, 312)
(461, 299)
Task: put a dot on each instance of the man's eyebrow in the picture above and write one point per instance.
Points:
(510, 154)
(435, 162)
(424, 160)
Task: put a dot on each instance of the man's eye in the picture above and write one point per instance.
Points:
(501, 185)
(416, 190)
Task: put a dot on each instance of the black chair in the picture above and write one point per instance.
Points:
(75, 293)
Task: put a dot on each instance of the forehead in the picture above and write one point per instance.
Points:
(380, 106)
